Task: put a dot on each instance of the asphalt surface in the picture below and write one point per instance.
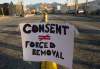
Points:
(87, 44)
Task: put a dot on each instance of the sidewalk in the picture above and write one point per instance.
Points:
(3, 18)
(96, 17)
(83, 15)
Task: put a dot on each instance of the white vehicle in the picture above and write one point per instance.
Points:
(81, 11)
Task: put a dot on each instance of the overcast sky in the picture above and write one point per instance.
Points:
(38, 1)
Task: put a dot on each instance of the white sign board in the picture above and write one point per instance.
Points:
(48, 42)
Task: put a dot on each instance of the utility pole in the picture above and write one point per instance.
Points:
(76, 6)
(86, 5)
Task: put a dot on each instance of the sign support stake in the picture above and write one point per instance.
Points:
(47, 64)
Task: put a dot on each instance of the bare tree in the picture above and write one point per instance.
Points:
(20, 8)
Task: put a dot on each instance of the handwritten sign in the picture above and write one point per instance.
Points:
(48, 42)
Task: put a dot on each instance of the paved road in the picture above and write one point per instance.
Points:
(87, 44)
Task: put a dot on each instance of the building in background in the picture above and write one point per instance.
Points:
(56, 7)
(49, 7)
(88, 6)
(64, 8)
(94, 7)
(9, 9)
(12, 9)
(71, 4)
(4, 9)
